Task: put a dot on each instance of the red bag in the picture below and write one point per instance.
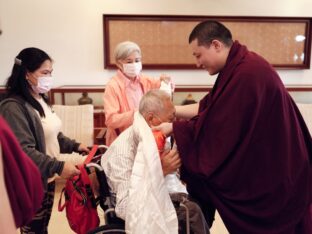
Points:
(80, 204)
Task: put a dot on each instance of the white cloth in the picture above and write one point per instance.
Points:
(173, 184)
(172, 181)
(167, 87)
(149, 208)
(134, 173)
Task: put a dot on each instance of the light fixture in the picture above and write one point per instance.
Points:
(299, 38)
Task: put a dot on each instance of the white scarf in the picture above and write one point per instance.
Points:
(149, 208)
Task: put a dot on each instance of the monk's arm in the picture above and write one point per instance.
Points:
(187, 111)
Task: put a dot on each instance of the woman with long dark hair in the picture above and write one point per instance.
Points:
(27, 110)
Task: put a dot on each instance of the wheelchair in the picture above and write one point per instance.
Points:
(113, 224)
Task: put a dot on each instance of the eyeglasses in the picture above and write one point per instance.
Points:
(158, 118)
(170, 119)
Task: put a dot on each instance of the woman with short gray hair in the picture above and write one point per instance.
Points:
(125, 90)
(125, 49)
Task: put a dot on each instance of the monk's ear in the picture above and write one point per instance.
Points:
(218, 45)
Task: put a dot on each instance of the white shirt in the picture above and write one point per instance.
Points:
(51, 125)
(117, 163)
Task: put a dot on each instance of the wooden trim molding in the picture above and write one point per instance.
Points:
(63, 90)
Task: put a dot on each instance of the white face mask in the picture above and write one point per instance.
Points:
(44, 84)
(132, 70)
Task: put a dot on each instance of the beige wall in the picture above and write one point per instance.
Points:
(71, 32)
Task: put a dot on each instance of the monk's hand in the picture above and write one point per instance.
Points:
(165, 128)
(170, 161)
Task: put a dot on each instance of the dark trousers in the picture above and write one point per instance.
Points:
(197, 221)
(39, 223)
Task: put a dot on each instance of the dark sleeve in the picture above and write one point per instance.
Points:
(183, 132)
(15, 115)
(222, 128)
(22, 178)
(67, 145)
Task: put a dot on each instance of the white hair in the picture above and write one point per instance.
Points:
(126, 48)
(153, 101)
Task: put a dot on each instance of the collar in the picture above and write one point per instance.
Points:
(126, 81)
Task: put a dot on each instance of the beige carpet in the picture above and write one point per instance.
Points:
(59, 225)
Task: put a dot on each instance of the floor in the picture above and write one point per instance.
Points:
(58, 223)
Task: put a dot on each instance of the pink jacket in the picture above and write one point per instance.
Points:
(118, 114)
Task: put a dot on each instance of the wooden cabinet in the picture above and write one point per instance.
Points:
(69, 95)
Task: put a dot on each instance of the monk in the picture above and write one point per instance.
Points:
(246, 149)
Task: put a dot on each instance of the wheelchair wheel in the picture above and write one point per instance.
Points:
(109, 229)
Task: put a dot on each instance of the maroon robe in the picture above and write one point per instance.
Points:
(22, 178)
(248, 151)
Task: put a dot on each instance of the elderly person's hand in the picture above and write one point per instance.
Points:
(170, 161)
(165, 128)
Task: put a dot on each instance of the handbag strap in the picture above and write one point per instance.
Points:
(91, 154)
(84, 177)
(60, 206)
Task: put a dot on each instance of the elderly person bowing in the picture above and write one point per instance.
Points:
(125, 90)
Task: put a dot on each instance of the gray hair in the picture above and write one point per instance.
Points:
(124, 49)
(153, 101)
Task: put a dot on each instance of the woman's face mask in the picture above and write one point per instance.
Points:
(41, 80)
(132, 70)
(44, 84)
(131, 66)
